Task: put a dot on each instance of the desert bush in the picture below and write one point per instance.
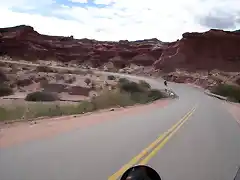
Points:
(87, 81)
(5, 90)
(59, 77)
(139, 97)
(144, 84)
(130, 87)
(123, 80)
(230, 91)
(41, 96)
(111, 99)
(12, 85)
(24, 82)
(111, 77)
(25, 68)
(129, 93)
(155, 94)
(70, 80)
(45, 69)
(146, 96)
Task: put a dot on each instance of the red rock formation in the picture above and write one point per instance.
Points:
(25, 43)
(214, 49)
(143, 59)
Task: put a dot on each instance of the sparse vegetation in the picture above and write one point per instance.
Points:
(155, 94)
(113, 98)
(59, 77)
(41, 96)
(87, 81)
(123, 80)
(144, 84)
(111, 77)
(43, 104)
(140, 92)
(130, 87)
(45, 69)
(230, 91)
(5, 90)
(70, 80)
(24, 82)
(126, 93)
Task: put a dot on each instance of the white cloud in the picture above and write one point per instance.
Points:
(23, 3)
(104, 2)
(79, 1)
(125, 19)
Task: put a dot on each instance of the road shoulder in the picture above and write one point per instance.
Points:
(27, 131)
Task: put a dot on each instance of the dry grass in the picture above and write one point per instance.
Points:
(127, 96)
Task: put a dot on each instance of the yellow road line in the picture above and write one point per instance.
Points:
(165, 140)
(148, 150)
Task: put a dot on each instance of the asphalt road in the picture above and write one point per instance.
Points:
(206, 146)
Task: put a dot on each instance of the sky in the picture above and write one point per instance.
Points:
(115, 20)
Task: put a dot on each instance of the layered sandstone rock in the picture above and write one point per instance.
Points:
(214, 49)
(25, 43)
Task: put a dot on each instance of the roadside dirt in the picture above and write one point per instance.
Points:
(234, 109)
(27, 131)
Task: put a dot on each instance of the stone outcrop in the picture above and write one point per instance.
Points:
(214, 49)
(25, 43)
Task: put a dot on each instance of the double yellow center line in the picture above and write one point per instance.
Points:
(144, 156)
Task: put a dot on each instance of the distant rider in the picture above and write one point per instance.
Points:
(165, 83)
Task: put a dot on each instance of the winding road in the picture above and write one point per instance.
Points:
(192, 138)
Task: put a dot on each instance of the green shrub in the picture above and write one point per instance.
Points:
(87, 81)
(230, 91)
(41, 96)
(128, 94)
(139, 97)
(146, 96)
(5, 90)
(123, 80)
(45, 69)
(144, 84)
(111, 77)
(155, 94)
(130, 87)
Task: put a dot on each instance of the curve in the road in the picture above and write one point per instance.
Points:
(206, 146)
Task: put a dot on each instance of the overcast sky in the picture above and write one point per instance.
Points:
(121, 19)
